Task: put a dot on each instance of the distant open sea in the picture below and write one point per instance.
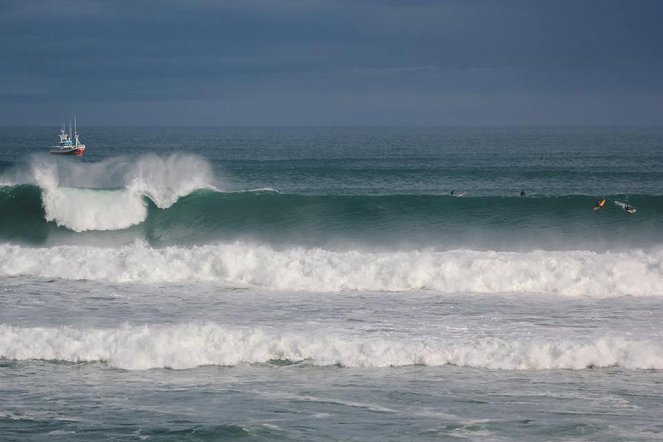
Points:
(324, 284)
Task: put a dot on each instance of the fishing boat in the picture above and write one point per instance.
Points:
(67, 146)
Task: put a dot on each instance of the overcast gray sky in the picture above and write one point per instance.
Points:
(333, 62)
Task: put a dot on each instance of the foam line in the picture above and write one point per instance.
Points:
(570, 273)
(192, 345)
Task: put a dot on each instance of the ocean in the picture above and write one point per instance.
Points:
(325, 284)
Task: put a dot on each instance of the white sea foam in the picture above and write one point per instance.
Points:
(85, 209)
(262, 189)
(192, 345)
(571, 273)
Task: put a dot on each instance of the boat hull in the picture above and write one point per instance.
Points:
(73, 150)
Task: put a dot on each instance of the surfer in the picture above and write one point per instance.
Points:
(522, 193)
(452, 193)
(599, 204)
(626, 206)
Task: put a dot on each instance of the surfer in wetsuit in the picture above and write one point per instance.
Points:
(452, 193)
(629, 208)
(522, 193)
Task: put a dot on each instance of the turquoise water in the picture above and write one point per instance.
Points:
(323, 283)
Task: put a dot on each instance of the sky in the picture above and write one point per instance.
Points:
(331, 62)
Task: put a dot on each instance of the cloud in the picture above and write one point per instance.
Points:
(256, 50)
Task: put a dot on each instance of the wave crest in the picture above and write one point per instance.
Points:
(166, 179)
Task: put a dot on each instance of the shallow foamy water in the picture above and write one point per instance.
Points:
(294, 365)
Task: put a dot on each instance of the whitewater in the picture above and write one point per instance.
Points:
(194, 345)
(280, 283)
(579, 273)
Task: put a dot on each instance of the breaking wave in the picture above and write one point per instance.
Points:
(177, 200)
(572, 273)
(109, 195)
(192, 345)
(197, 213)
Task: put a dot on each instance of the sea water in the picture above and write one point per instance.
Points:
(324, 284)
